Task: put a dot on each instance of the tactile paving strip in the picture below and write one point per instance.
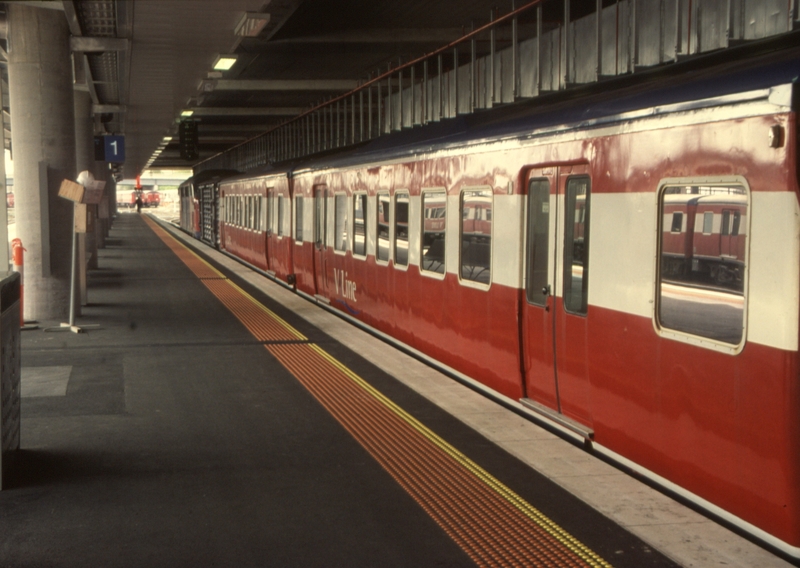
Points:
(492, 524)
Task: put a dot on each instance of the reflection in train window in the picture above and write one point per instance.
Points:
(401, 229)
(703, 267)
(340, 222)
(476, 235)
(360, 224)
(298, 218)
(382, 251)
(262, 213)
(576, 245)
(280, 215)
(434, 224)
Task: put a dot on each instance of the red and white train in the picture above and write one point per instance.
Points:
(626, 264)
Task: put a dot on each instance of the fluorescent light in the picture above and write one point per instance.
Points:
(224, 62)
(167, 139)
(187, 113)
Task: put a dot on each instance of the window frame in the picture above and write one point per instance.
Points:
(299, 228)
(336, 197)
(683, 336)
(393, 231)
(378, 260)
(279, 213)
(365, 217)
(424, 272)
(465, 281)
(569, 221)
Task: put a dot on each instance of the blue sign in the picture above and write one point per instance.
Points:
(114, 149)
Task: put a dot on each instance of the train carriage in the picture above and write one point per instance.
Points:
(627, 266)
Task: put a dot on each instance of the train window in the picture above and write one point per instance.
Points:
(476, 235)
(251, 218)
(677, 222)
(576, 245)
(298, 218)
(382, 251)
(280, 215)
(702, 270)
(401, 229)
(434, 225)
(708, 223)
(538, 238)
(340, 222)
(360, 224)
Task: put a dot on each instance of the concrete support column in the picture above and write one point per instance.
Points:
(43, 138)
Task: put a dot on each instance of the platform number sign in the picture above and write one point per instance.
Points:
(109, 149)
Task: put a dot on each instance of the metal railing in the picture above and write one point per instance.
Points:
(520, 54)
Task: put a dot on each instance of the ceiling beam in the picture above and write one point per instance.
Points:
(98, 44)
(379, 36)
(244, 111)
(103, 109)
(285, 85)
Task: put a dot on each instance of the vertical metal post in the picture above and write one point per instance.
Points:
(599, 35)
(492, 40)
(353, 119)
(678, 29)
(565, 47)
(425, 94)
(538, 84)
(361, 115)
(389, 104)
(634, 46)
(413, 98)
(455, 81)
(472, 76)
(515, 55)
(338, 126)
(369, 111)
(401, 114)
(380, 108)
(441, 95)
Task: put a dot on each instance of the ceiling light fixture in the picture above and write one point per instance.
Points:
(251, 24)
(224, 62)
(187, 113)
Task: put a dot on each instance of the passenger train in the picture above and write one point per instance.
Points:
(625, 263)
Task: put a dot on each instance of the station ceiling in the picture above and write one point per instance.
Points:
(149, 61)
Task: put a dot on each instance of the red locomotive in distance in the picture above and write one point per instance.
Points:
(623, 264)
(152, 199)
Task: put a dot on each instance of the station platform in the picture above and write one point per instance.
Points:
(214, 418)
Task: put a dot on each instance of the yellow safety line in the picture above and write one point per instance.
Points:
(526, 508)
(552, 528)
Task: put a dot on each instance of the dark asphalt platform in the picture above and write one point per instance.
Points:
(170, 437)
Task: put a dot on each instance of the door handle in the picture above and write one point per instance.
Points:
(546, 290)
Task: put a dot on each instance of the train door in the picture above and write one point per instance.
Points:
(320, 238)
(554, 326)
(729, 229)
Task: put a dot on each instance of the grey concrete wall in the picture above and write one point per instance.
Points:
(42, 114)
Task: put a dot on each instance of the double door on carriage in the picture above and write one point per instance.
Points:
(554, 322)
